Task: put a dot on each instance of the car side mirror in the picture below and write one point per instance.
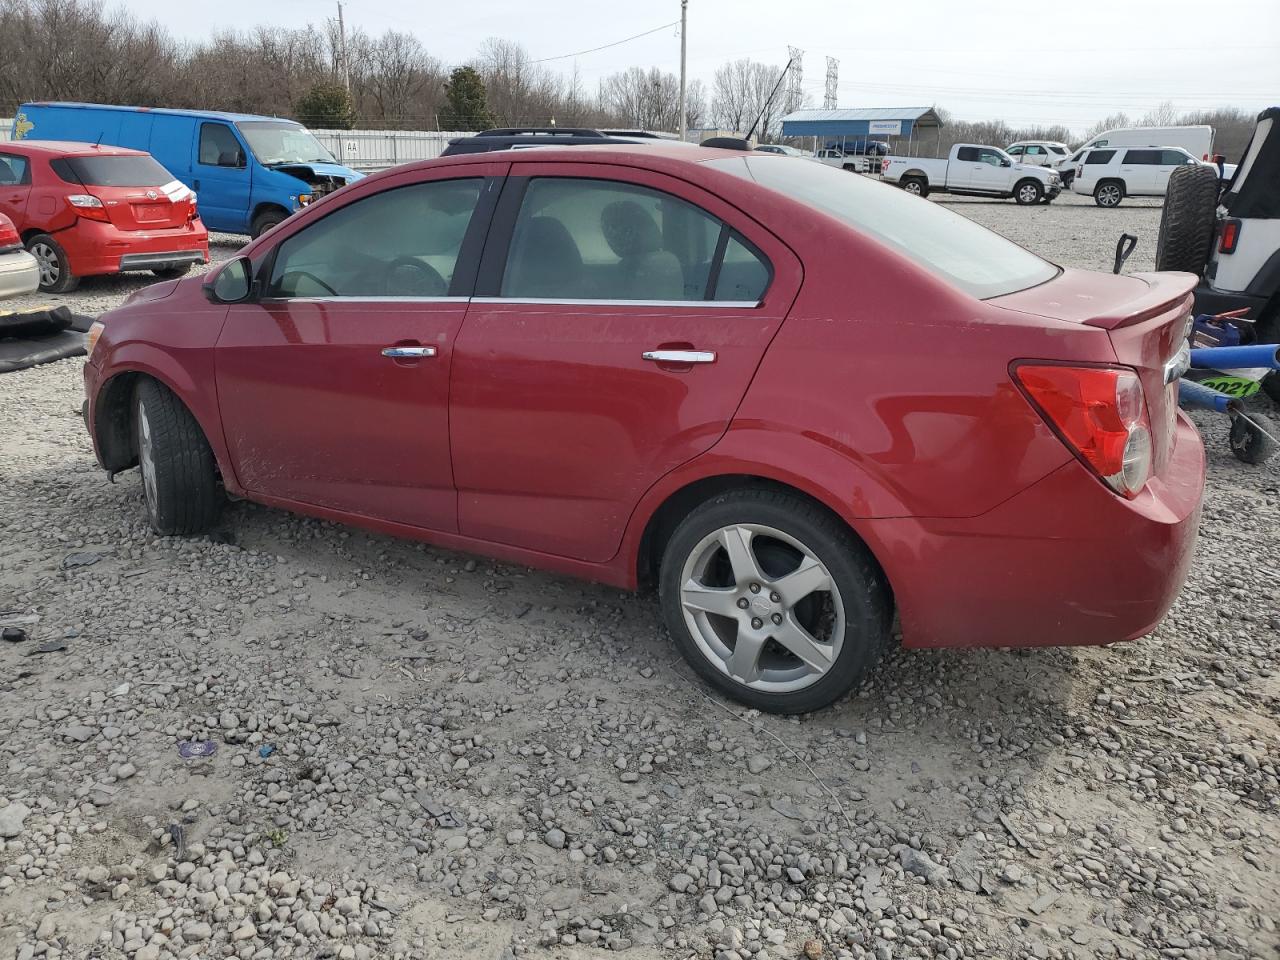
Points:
(233, 283)
(1006, 162)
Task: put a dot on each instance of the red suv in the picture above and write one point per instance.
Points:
(85, 210)
(803, 403)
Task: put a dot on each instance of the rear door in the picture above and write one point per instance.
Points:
(221, 177)
(15, 187)
(619, 318)
(1138, 170)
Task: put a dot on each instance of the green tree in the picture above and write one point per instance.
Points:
(466, 108)
(326, 106)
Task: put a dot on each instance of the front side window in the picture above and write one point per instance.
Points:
(15, 171)
(399, 243)
(219, 146)
(992, 157)
(969, 256)
(577, 239)
(1099, 156)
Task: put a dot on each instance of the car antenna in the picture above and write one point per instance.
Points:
(98, 142)
(767, 102)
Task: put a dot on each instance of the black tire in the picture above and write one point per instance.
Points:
(864, 594)
(265, 221)
(1267, 330)
(1028, 192)
(917, 185)
(55, 269)
(179, 475)
(1109, 193)
(1186, 222)
(173, 273)
(1250, 444)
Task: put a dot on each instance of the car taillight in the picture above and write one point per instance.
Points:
(9, 236)
(1229, 237)
(1101, 415)
(88, 206)
(194, 212)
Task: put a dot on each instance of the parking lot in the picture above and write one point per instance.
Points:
(422, 754)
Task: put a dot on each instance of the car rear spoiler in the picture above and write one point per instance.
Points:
(1165, 292)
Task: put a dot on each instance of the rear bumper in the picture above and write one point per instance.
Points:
(1209, 300)
(1065, 562)
(95, 248)
(19, 274)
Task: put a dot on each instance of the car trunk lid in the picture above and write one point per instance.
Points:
(1147, 319)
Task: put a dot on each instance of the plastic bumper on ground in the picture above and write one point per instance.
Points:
(1065, 562)
(98, 248)
(19, 274)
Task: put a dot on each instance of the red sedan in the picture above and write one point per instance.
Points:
(802, 403)
(84, 210)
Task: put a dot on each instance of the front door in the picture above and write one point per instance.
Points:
(222, 178)
(620, 316)
(989, 174)
(15, 187)
(334, 386)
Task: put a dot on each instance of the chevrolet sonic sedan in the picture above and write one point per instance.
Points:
(804, 404)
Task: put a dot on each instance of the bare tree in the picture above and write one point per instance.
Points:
(746, 93)
(1162, 116)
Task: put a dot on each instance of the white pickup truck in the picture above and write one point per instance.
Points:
(854, 163)
(976, 170)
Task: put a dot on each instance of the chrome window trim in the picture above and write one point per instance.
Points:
(364, 299)
(694, 304)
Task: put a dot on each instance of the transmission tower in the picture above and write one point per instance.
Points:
(795, 93)
(833, 73)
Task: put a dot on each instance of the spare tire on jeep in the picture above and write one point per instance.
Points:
(1186, 225)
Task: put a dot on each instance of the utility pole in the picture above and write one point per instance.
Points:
(342, 50)
(684, 21)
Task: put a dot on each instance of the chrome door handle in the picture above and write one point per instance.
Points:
(680, 356)
(397, 352)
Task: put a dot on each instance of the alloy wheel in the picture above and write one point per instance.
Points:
(913, 187)
(50, 269)
(762, 608)
(1027, 194)
(1109, 195)
(146, 457)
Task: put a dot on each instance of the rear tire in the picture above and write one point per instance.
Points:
(716, 599)
(1186, 222)
(1028, 192)
(173, 273)
(265, 221)
(179, 476)
(1250, 444)
(916, 185)
(1108, 193)
(55, 268)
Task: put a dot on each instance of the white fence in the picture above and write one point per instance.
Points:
(364, 149)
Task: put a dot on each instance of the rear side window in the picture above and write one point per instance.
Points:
(1149, 158)
(954, 248)
(967, 154)
(399, 243)
(578, 239)
(112, 171)
(15, 171)
(1014, 151)
(1099, 156)
(1168, 157)
(1060, 151)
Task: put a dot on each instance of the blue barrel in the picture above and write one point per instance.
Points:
(1196, 396)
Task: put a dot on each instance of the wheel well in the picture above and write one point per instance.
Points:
(113, 422)
(1116, 180)
(678, 505)
(915, 175)
(262, 208)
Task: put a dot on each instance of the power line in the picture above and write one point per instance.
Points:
(616, 43)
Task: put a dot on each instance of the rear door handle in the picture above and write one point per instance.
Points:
(680, 356)
(399, 352)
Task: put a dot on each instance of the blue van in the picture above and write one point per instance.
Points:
(248, 172)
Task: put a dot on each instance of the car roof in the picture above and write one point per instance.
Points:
(70, 148)
(166, 111)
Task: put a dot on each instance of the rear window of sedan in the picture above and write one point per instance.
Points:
(111, 171)
(954, 248)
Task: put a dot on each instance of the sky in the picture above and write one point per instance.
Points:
(1068, 62)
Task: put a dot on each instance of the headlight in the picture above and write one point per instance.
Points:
(91, 338)
(305, 198)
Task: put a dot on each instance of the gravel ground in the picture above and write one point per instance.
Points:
(420, 754)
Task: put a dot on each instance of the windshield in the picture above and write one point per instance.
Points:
(954, 248)
(278, 141)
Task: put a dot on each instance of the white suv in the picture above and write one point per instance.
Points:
(1110, 174)
(1038, 153)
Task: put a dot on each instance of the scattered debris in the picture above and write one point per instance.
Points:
(86, 558)
(192, 749)
(49, 646)
(14, 635)
(266, 750)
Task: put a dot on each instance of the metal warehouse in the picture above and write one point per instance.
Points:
(835, 127)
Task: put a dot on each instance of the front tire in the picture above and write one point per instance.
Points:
(773, 601)
(179, 476)
(1028, 192)
(1108, 193)
(55, 268)
(265, 221)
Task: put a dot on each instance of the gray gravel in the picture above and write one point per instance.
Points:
(415, 755)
